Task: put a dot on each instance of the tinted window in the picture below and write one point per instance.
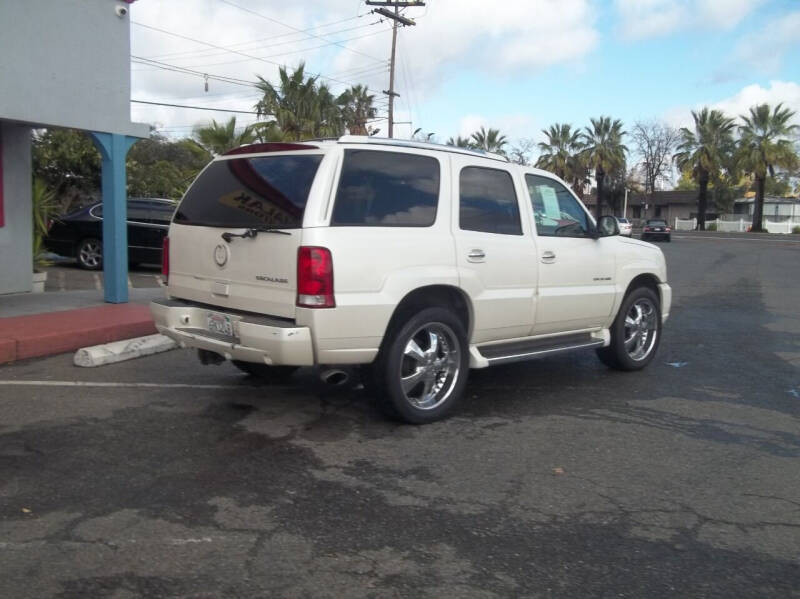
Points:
(269, 191)
(657, 223)
(556, 211)
(386, 189)
(139, 211)
(488, 202)
(161, 212)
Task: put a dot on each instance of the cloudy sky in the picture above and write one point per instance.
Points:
(517, 65)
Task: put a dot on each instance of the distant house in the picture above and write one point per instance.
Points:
(775, 209)
(668, 205)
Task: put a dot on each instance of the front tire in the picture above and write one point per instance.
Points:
(89, 254)
(635, 333)
(423, 367)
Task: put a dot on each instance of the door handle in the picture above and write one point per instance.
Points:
(548, 257)
(476, 255)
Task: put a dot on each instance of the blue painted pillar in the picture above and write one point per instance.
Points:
(113, 148)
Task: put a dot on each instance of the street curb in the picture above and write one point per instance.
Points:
(119, 351)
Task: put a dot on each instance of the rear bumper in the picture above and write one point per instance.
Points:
(265, 340)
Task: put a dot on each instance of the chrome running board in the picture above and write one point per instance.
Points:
(530, 350)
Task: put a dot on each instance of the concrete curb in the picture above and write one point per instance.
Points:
(119, 351)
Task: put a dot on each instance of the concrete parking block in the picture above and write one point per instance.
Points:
(120, 351)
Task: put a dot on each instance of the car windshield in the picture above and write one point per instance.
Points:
(657, 223)
(624, 221)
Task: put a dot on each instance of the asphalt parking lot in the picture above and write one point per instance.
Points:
(557, 478)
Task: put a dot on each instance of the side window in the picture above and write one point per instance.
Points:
(488, 202)
(386, 189)
(556, 211)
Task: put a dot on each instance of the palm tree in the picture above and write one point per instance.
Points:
(489, 141)
(764, 146)
(705, 152)
(603, 151)
(219, 138)
(294, 104)
(459, 142)
(357, 109)
(560, 152)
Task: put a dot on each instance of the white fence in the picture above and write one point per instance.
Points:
(737, 225)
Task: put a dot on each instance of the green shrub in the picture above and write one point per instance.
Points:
(796, 230)
(45, 208)
(711, 227)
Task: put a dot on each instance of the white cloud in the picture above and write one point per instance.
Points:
(786, 92)
(515, 39)
(519, 36)
(765, 49)
(653, 18)
(471, 123)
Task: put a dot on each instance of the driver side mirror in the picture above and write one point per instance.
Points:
(607, 226)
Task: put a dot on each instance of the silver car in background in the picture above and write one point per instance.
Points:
(625, 226)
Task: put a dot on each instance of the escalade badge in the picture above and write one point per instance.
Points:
(221, 255)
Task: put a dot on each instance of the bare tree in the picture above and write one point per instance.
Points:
(654, 141)
(521, 151)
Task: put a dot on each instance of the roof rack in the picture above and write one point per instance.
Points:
(410, 143)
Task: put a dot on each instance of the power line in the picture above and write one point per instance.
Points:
(177, 69)
(213, 64)
(240, 45)
(263, 16)
(171, 105)
(185, 37)
(193, 107)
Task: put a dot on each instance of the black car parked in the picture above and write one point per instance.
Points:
(656, 228)
(79, 234)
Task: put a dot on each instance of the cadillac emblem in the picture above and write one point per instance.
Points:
(221, 255)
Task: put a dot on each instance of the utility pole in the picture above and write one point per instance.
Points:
(397, 18)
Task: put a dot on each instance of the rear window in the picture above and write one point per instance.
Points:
(386, 189)
(268, 191)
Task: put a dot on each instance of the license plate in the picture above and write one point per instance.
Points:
(219, 323)
(658, 229)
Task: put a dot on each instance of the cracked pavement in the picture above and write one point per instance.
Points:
(556, 478)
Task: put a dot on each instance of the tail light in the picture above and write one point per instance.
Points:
(647, 228)
(314, 278)
(667, 229)
(165, 257)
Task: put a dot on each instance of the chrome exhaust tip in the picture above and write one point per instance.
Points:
(334, 377)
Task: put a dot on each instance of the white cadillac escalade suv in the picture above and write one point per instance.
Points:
(416, 260)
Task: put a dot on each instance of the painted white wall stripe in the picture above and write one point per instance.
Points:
(22, 383)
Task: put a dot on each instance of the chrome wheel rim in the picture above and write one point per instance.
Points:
(641, 329)
(430, 366)
(91, 254)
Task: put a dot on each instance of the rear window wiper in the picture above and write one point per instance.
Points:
(252, 232)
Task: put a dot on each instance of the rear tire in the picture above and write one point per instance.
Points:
(635, 333)
(422, 369)
(89, 254)
(272, 374)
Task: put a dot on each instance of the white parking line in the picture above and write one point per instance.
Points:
(768, 239)
(131, 385)
(97, 284)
